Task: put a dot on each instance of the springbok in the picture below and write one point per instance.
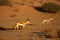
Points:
(46, 21)
(21, 25)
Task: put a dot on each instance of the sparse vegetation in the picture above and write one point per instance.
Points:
(49, 7)
(5, 2)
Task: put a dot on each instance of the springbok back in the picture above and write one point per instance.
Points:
(22, 24)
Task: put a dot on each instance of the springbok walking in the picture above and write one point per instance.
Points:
(46, 21)
(21, 25)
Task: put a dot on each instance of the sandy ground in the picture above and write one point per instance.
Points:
(15, 35)
(25, 11)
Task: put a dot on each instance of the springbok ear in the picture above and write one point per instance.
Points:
(27, 19)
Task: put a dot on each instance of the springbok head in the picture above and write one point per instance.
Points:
(28, 21)
(51, 18)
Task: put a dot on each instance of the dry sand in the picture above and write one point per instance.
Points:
(21, 12)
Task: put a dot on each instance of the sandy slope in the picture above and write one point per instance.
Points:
(24, 11)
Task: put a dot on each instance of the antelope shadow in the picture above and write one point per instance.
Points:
(5, 29)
